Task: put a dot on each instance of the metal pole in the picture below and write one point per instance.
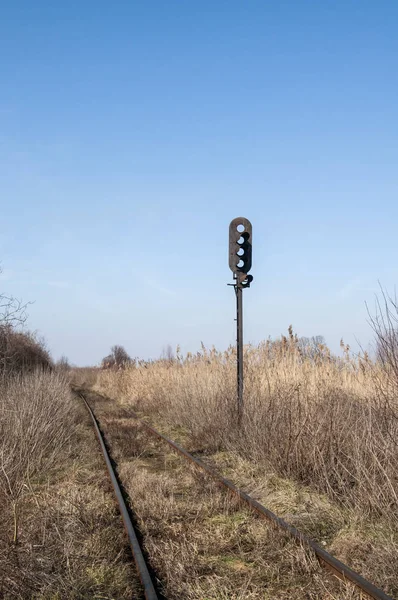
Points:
(239, 348)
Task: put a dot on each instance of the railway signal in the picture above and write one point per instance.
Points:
(240, 246)
(240, 263)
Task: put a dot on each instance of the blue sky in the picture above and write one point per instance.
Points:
(131, 133)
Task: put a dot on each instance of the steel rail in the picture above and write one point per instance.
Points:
(334, 565)
(146, 580)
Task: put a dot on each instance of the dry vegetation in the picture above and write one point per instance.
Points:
(61, 535)
(202, 543)
(325, 428)
(60, 531)
(20, 350)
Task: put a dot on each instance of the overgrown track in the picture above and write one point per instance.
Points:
(335, 566)
(142, 568)
(327, 560)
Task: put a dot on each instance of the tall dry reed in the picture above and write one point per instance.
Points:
(311, 416)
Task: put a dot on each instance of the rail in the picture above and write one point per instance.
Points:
(142, 568)
(334, 565)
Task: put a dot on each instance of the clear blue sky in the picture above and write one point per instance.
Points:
(132, 132)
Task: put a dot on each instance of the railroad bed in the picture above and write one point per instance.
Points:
(202, 538)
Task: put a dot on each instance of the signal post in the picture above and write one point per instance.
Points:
(240, 263)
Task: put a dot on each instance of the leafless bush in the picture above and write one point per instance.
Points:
(118, 358)
(12, 310)
(384, 323)
(168, 354)
(21, 351)
(63, 365)
(35, 426)
(311, 347)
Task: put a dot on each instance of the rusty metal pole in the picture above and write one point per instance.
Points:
(239, 347)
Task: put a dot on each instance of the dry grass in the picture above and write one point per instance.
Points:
(322, 422)
(83, 377)
(202, 543)
(328, 425)
(60, 532)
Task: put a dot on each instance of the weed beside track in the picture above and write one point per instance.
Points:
(202, 542)
(316, 444)
(60, 530)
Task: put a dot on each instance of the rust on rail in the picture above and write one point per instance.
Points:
(334, 565)
(142, 568)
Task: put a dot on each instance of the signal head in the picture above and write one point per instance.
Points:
(240, 245)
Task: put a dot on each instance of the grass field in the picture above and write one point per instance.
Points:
(60, 531)
(317, 440)
(202, 542)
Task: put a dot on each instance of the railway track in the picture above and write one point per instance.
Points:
(149, 588)
(332, 564)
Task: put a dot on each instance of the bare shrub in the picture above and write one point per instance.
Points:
(168, 354)
(118, 358)
(384, 323)
(120, 355)
(12, 310)
(35, 426)
(63, 365)
(21, 351)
